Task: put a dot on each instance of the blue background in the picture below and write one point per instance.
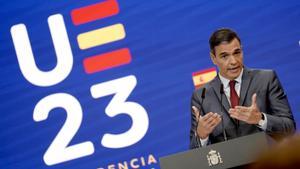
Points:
(168, 41)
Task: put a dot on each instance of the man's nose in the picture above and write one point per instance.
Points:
(232, 60)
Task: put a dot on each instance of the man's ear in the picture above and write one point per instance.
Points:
(212, 57)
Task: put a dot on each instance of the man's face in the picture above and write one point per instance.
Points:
(229, 59)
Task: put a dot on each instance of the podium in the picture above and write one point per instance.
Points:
(228, 154)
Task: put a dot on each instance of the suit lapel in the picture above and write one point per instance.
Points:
(216, 84)
(246, 79)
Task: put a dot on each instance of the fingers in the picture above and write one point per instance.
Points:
(254, 100)
(234, 113)
(214, 122)
(249, 115)
(211, 120)
(207, 117)
(207, 124)
(196, 112)
(240, 114)
(240, 109)
(195, 109)
(245, 113)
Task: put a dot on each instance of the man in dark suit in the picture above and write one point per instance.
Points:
(247, 100)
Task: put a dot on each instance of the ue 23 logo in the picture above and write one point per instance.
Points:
(59, 150)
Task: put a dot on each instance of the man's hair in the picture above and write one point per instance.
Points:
(222, 35)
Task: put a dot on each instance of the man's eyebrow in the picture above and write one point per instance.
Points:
(237, 49)
(226, 53)
(223, 53)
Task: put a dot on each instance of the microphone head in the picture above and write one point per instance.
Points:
(222, 89)
(203, 93)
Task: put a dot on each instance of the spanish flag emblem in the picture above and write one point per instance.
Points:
(203, 76)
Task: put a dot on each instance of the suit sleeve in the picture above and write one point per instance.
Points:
(280, 118)
(193, 137)
(195, 101)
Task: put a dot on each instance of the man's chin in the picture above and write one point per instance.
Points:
(234, 75)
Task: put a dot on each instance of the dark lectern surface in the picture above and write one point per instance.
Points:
(229, 154)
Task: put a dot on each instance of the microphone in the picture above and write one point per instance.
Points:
(221, 108)
(202, 98)
(203, 94)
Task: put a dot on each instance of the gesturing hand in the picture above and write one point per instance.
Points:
(250, 115)
(206, 123)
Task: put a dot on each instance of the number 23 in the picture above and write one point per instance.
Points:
(59, 151)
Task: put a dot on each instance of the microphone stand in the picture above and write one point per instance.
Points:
(202, 98)
(221, 108)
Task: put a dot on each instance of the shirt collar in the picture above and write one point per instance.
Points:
(226, 81)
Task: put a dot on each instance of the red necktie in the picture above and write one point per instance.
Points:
(234, 98)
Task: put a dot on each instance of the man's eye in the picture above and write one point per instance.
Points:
(223, 56)
(237, 53)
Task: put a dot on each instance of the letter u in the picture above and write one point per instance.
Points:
(26, 59)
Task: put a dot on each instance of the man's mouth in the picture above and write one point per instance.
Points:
(233, 69)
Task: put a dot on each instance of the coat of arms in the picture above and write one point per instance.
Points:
(214, 158)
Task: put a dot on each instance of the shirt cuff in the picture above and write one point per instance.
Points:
(204, 141)
(263, 124)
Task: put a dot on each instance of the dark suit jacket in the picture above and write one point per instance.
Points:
(271, 100)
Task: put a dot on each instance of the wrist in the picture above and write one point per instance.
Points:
(203, 136)
(261, 120)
